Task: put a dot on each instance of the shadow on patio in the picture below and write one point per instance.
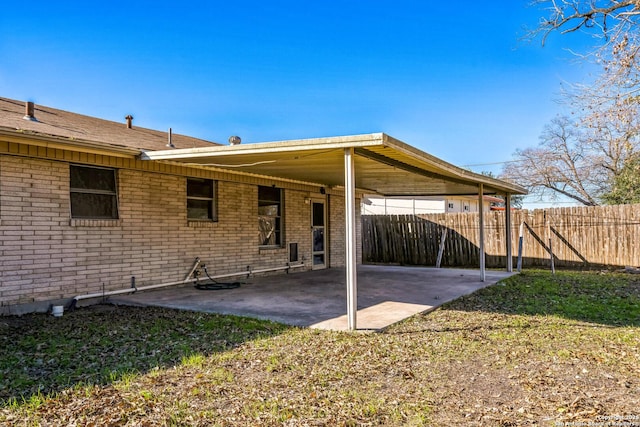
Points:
(317, 299)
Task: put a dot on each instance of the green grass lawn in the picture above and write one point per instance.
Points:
(536, 349)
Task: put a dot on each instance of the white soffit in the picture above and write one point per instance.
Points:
(383, 165)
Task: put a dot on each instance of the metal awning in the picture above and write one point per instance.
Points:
(383, 165)
(372, 163)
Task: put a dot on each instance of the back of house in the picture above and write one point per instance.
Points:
(81, 213)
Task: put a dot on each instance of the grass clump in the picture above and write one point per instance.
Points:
(538, 349)
(602, 298)
(106, 344)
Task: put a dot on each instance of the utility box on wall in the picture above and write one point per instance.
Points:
(293, 252)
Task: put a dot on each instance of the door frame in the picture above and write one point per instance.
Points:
(325, 228)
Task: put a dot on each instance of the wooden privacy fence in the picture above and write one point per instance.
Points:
(579, 236)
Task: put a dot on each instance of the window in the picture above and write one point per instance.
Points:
(201, 199)
(93, 193)
(270, 216)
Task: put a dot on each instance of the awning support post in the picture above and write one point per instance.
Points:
(481, 234)
(507, 231)
(350, 237)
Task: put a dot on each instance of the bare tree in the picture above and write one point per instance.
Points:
(614, 22)
(614, 26)
(559, 165)
(602, 16)
(580, 158)
(583, 157)
(612, 133)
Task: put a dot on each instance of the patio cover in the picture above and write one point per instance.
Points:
(383, 165)
(370, 163)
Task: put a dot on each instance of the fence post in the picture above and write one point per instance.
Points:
(520, 246)
(481, 234)
(507, 231)
(547, 222)
(441, 248)
(588, 235)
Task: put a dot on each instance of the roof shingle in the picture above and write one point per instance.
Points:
(59, 123)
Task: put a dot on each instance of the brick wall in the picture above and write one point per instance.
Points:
(47, 256)
(337, 231)
(33, 213)
(298, 224)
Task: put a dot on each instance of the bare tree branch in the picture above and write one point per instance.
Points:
(567, 16)
(580, 158)
(585, 157)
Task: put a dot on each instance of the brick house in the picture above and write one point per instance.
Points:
(87, 204)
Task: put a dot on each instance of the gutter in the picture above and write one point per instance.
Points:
(65, 143)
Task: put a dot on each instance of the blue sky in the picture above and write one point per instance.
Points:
(452, 79)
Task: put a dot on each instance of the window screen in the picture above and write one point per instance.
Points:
(93, 192)
(201, 197)
(270, 216)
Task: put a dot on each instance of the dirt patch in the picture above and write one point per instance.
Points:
(472, 362)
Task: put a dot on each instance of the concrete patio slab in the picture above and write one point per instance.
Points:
(317, 299)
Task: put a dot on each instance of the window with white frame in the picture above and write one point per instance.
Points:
(201, 199)
(93, 192)
(270, 216)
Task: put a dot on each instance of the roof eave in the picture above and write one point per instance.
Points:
(456, 171)
(448, 171)
(20, 136)
(328, 143)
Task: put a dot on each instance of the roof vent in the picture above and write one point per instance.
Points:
(234, 140)
(129, 119)
(170, 142)
(30, 112)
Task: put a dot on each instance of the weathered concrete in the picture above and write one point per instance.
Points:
(386, 295)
